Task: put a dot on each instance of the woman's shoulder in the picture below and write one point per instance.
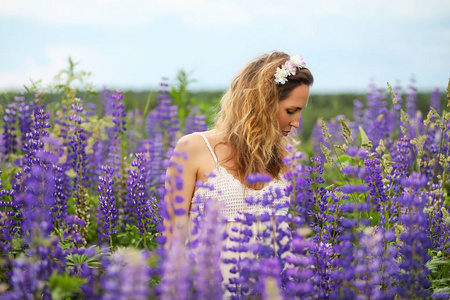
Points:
(193, 143)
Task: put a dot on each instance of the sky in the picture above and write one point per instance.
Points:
(132, 44)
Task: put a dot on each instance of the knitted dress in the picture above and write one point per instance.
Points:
(264, 204)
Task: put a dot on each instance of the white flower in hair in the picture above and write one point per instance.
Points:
(298, 61)
(289, 68)
(281, 76)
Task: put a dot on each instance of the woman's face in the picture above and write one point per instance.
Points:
(291, 108)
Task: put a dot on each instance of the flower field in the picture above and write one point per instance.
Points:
(82, 189)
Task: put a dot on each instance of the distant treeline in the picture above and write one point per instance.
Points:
(325, 106)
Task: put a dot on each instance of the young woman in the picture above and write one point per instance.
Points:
(258, 111)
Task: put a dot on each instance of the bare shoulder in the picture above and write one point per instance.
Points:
(192, 145)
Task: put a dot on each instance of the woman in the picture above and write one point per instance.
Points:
(258, 111)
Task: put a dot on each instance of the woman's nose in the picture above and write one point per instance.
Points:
(295, 123)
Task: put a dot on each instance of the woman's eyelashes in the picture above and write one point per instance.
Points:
(291, 112)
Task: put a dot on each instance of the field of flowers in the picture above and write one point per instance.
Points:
(81, 205)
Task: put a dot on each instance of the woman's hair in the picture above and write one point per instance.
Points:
(248, 115)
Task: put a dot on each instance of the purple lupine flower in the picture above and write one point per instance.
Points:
(78, 161)
(323, 257)
(59, 209)
(332, 229)
(354, 188)
(107, 210)
(145, 207)
(358, 116)
(11, 217)
(323, 248)
(258, 178)
(9, 130)
(298, 269)
(162, 126)
(30, 273)
(436, 100)
(116, 132)
(389, 267)
(242, 270)
(106, 101)
(127, 276)
(25, 121)
(163, 120)
(368, 270)
(176, 280)
(411, 99)
(36, 183)
(37, 200)
(154, 148)
(317, 138)
(374, 181)
(402, 160)
(91, 109)
(439, 227)
(380, 127)
(299, 188)
(207, 251)
(9, 212)
(25, 280)
(316, 170)
(343, 269)
(376, 115)
(374, 102)
(269, 285)
(34, 144)
(413, 276)
(195, 122)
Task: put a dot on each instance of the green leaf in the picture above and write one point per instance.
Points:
(442, 290)
(344, 158)
(63, 286)
(364, 138)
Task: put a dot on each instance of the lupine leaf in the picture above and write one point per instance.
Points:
(63, 286)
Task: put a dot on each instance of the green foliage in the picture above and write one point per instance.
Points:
(65, 286)
(181, 96)
(69, 81)
(439, 265)
(79, 259)
(130, 237)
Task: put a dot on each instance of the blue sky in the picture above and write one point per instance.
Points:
(131, 44)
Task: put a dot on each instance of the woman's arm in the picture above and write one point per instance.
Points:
(180, 181)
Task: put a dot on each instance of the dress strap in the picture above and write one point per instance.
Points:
(209, 147)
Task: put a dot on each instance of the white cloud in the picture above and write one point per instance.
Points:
(57, 60)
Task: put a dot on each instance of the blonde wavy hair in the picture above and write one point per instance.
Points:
(248, 116)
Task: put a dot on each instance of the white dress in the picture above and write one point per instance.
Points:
(271, 200)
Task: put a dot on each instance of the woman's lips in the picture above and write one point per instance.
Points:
(285, 133)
